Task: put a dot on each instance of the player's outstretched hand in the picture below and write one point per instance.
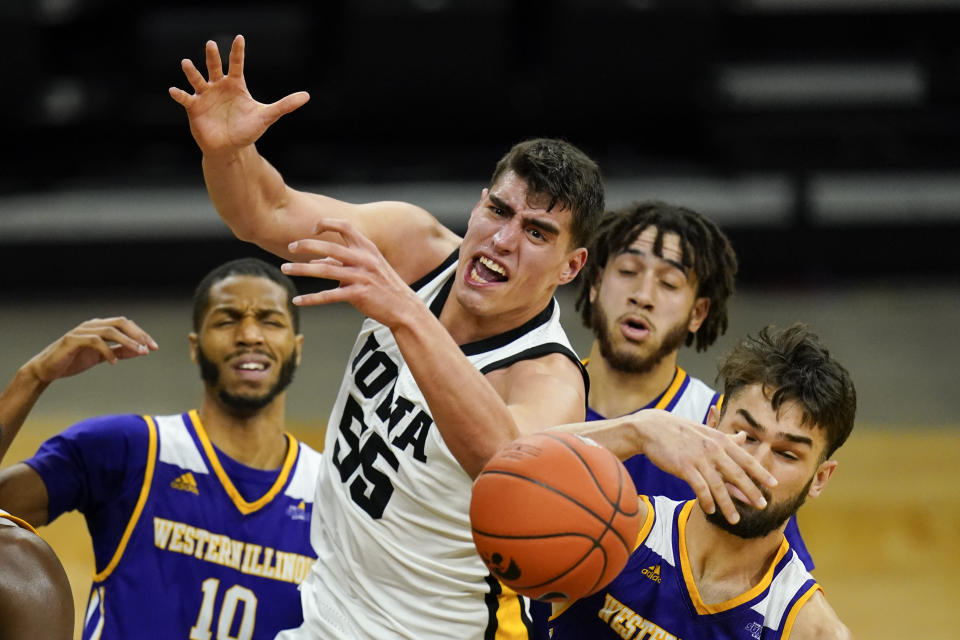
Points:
(707, 459)
(223, 115)
(88, 344)
(366, 279)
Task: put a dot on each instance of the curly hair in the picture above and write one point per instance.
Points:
(706, 251)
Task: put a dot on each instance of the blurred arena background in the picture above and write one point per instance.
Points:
(822, 135)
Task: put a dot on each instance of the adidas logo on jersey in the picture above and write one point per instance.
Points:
(652, 572)
(186, 482)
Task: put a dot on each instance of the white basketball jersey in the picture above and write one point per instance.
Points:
(391, 520)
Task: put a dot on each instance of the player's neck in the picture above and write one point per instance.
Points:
(615, 393)
(723, 565)
(256, 439)
(467, 325)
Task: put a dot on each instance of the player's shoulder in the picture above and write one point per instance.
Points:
(110, 425)
(34, 590)
(817, 619)
(412, 239)
(550, 386)
(551, 366)
(25, 558)
(20, 547)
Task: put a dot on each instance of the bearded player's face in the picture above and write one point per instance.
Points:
(645, 304)
(786, 445)
(246, 347)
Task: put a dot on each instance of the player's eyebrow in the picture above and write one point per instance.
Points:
(792, 437)
(501, 204)
(236, 312)
(644, 254)
(544, 225)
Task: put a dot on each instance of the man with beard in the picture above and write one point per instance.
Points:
(199, 520)
(695, 575)
(659, 277)
(460, 352)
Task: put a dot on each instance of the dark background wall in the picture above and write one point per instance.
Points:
(822, 134)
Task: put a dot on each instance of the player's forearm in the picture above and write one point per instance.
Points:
(620, 436)
(250, 196)
(16, 402)
(472, 418)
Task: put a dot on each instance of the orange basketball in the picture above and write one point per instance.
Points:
(554, 516)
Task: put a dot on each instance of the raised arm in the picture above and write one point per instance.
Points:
(87, 344)
(251, 196)
(22, 491)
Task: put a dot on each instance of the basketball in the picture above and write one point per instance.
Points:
(554, 516)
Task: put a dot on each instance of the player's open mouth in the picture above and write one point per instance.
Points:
(483, 270)
(634, 328)
(251, 367)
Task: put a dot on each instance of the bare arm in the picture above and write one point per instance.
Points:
(23, 492)
(702, 456)
(252, 197)
(35, 596)
(817, 620)
(86, 345)
(98, 340)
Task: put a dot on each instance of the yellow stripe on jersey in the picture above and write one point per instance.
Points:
(242, 505)
(510, 625)
(792, 616)
(141, 500)
(703, 608)
(646, 525)
(20, 522)
(671, 391)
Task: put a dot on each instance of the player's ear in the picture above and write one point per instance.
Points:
(821, 477)
(299, 347)
(192, 339)
(575, 261)
(701, 308)
(713, 417)
(476, 207)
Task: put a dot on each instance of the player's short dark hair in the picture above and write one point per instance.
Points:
(792, 364)
(243, 267)
(706, 250)
(564, 173)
